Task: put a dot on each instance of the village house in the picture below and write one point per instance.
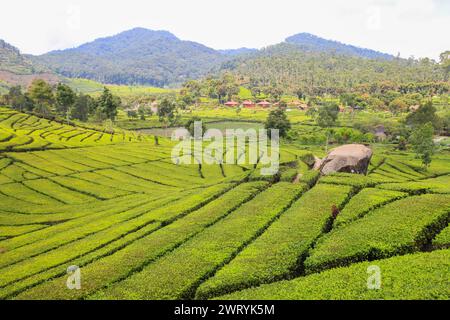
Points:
(231, 104)
(263, 104)
(248, 104)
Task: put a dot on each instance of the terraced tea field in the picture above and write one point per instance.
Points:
(141, 227)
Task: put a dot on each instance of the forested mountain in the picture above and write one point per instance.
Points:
(159, 58)
(291, 68)
(136, 56)
(310, 42)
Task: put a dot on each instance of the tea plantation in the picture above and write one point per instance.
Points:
(141, 227)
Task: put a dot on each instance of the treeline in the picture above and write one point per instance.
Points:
(290, 70)
(61, 101)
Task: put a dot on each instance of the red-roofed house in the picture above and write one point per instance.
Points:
(248, 104)
(231, 103)
(264, 104)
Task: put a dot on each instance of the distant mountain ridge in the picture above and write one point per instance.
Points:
(159, 58)
(137, 56)
(307, 41)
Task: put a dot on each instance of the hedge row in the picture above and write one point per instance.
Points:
(439, 185)
(176, 275)
(410, 277)
(280, 250)
(356, 180)
(365, 201)
(60, 272)
(442, 240)
(402, 226)
(123, 262)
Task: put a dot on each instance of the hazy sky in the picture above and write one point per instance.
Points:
(411, 27)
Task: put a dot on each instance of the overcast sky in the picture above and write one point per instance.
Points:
(411, 27)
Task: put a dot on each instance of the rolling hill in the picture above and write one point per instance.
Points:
(18, 69)
(310, 42)
(137, 56)
(159, 58)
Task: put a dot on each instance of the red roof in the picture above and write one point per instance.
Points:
(264, 103)
(231, 103)
(247, 102)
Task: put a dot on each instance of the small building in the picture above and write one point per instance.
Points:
(231, 104)
(263, 104)
(248, 104)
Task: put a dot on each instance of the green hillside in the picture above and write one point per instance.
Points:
(141, 227)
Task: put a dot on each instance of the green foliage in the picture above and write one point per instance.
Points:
(426, 113)
(42, 95)
(276, 253)
(327, 114)
(442, 240)
(414, 276)
(65, 98)
(278, 120)
(176, 274)
(365, 201)
(108, 104)
(120, 263)
(422, 143)
(167, 111)
(400, 227)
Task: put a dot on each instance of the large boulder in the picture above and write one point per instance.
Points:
(352, 158)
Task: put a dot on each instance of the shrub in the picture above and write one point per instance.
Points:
(414, 276)
(276, 254)
(175, 275)
(399, 227)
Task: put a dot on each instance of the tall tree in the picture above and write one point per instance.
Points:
(18, 100)
(81, 107)
(65, 98)
(422, 142)
(277, 119)
(167, 111)
(426, 113)
(108, 104)
(41, 93)
(327, 115)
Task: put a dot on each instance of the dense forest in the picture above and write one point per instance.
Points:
(291, 68)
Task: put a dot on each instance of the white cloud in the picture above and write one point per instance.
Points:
(411, 27)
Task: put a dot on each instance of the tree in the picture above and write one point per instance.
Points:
(277, 119)
(189, 125)
(166, 111)
(81, 107)
(65, 98)
(327, 115)
(108, 104)
(398, 105)
(17, 100)
(426, 113)
(132, 114)
(141, 112)
(41, 93)
(422, 142)
(445, 63)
